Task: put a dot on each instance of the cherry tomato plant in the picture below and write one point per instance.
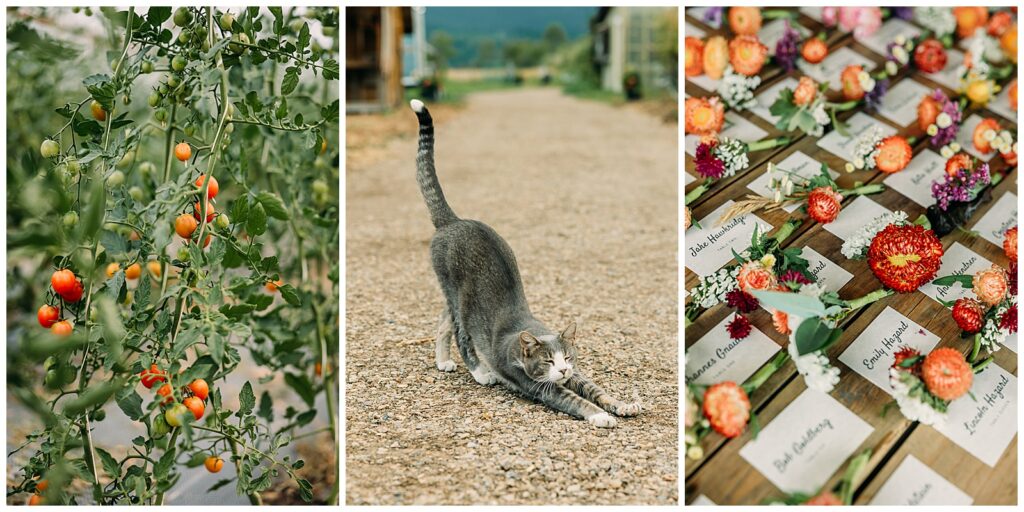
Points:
(173, 233)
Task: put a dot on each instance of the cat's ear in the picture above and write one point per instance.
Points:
(528, 341)
(568, 335)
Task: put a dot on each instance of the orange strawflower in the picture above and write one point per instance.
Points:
(805, 91)
(716, 56)
(747, 55)
(703, 116)
(694, 56)
(744, 20)
(969, 19)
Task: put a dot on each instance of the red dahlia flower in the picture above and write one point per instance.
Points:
(739, 328)
(905, 257)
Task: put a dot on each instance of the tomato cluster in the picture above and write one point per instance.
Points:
(69, 288)
(194, 401)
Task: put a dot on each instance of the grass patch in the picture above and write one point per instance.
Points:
(455, 91)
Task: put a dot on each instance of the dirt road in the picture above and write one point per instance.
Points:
(585, 193)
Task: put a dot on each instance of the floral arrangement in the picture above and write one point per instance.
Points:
(991, 315)
(858, 84)
(888, 154)
(989, 136)
(820, 196)
(985, 64)
(937, 20)
(902, 255)
(805, 108)
(924, 386)
(840, 494)
(721, 157)
(940, 117)
(965, 186)
(744, 54)
(862, 21)
(703, 116)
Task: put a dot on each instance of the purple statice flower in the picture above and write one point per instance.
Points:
(786, 50)
(707, 162)
(903, 13)
(961, 187)
(952, 109)
(713, 16)
(873, 98)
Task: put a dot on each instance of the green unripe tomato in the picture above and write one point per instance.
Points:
(52, 379)
(127, 159)
(74, 167)
(226, 21)
(88, 11)
(175, 415)
(99, 415)
(136, 193)
(319, 186)
(70, 219)
(154, 99)
(160, 115)
(295, 25)
(178, 63)
(147, 169)
(189, 130)
(162, 89)
(115, 179)
(147, 67)
(113, 64)
(200, 32)
(183, 254)
(234, 46)
(184, 36)
(231, 110)
(229, 128)
(329, 31)
(50, 362)
(222, 221)
(182, 16)
(160, 426)
(49, 148)
(76, 10)
(173, 81)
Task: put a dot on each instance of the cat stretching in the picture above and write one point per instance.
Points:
(487, 314)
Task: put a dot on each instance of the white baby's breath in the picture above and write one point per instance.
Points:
(818, 374)
(912, 407)
(856, 247)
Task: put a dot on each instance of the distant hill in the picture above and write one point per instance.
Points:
(468, 25)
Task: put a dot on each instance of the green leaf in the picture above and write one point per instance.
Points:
(813, 335)
(256, 224)
(792, 303)
(273, 205)
(266, 407)
(302, 387)
(246, 400)
(290, 81)
(289, 294)
(965, 281)
(237, 311)
(130, 403)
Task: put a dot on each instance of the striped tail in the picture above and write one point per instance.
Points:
(440, 213)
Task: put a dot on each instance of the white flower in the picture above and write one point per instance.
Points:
(912, 407)
(943, 120)
(932, 130)
(737, 91)
(711, 290)
(900, 39)
(812, 290)
(939, 20)
(820, 115)
(733, 154)
(991, 336)
(900, 54)
(946, 152)
(989, 135)
(850, 167)
(859, 163)
(954, 146)
(856, 247)
(818, 374)
(891, 68)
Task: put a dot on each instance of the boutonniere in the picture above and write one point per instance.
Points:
(723, 408)
(937, 20)
(965, 186)
(805, 108)
(981, 71)
(940, 117)
(820, 196)
(888, 154)
(839, 494)
(924, 386)
(859, 85)
(720, 157)
(990, 316)
(902, 255)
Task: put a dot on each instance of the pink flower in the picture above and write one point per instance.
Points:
(828, 16)
(862, 21)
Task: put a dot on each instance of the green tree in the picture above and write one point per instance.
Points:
(554, 36)
(443, 50)
(486, 53)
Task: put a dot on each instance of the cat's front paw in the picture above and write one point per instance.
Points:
(446, 366)
(484, 377)
(624, 409)
(602, 420)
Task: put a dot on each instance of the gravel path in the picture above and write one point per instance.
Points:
(585, 194)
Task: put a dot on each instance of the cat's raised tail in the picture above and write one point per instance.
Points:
(440, 213)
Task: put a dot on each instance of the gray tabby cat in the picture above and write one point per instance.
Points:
(497, 335)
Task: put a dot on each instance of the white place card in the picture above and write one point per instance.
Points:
(736, 127)
(885, 34)
(966, 138)
(900, 103)
(947, 76)
(958, 259)
(872, 353)
(985, 426)
(812, 12)
(705, 82)
(999, 218)
(702, 501)
(914, 483)
(688, 178)
(1011, 342)
(1001, 105)
(829, 69)
(831, 276)
(915, 182)
(843, 146)
(718, 358)
(772, 31)
(797, 163)
(689, 30)
(853, 216)
(806, 443)
(767, 97)
(709, 247)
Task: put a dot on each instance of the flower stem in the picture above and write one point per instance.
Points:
(870, 298)
(863, 190)
(843, 107)
(923, 221)
(767, 144)
(778, 14)
(995, 179)
(976, 349)
(786, 230)
(695, 194)
(766, 371)
(981, 366)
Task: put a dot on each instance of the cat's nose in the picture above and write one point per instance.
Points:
(567, 372)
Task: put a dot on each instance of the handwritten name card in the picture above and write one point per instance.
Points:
(853, 216)
(806, 443)
(985, 426)
(958, 259)
(885, 34)
(716, 357)
(831, 276)
(735, 127)
(900, 102)
(710, 247)
(872, 353)
(966, 138)
(914, 483)
(797, 163)
(829, 69)
(843, 146)
(999, 218)
(1001, 105)
(915, 182)
(768, 96)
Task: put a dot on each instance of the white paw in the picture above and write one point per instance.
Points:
(602, 420)
(623, 409)
(446, 366)
(484, 377)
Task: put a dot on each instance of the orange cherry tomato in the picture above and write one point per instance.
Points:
(199, 388)
(214, 464)
(183, 151)
(47, 315)
(195, 405)
(152, 376)
(212, 190)
(185, 225)
(62, 328)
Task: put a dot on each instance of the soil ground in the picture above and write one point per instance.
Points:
(585, 193)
